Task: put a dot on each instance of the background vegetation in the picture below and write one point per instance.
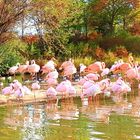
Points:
(86, 30)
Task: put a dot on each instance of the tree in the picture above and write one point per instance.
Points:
(106, 14)
(55, 21)
(10, 12)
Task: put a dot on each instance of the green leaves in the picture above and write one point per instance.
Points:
(108, 14)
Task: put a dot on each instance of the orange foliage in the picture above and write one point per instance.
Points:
(93, 36)
(121, 52)
(100, 53)
(30, 39)
(101, 4)
(135, 29)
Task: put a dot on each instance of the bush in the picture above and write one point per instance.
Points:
(132, 44)
(121, 52)
(110, 58)
(86, 61)
(100, 53)
(11, 53)
(82, 49)
(110, 43)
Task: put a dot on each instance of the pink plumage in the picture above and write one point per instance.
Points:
(8, 90)
(51, 92)
(35, 86)
(50, 66)
(52, 82)
(33, 68)
(93, 76)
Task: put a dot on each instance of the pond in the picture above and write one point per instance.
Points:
(73, 119)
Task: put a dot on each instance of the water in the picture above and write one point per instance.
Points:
(73, 119)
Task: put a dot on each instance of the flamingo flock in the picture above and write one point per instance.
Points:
(95, 79)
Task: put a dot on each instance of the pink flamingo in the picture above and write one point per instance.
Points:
(122, 67)
(66, 64)
(69, 68)
(33, 69)
(69, 71)
(23, 68)
(52, 82)
(26, 90)
(95, 67)
(82, 81)
(133, 73)
(92, 90)
(51, 92)
(105, 72)
(54, 74)
(19, 93)
(105, 86)
(8, 90)
(93, 76)
(48, 67)
(13, 69)
(35, 86)
(88, 84)
(63, 87)
(107, 81)
(71, 90)
(16, 84)
(120, 87)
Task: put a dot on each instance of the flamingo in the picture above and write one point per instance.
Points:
(8, 90)
(26, 90)
(133, 73)
(95, 67)
(69, 68)
(105, 86)
(16, 84)
(52, 82)
(92, 90)
(69, 71)
(123, 67)
(72, 90)
(66, 64)
(93, 76)
(120, 87)
(105, 72)
(19, 93)
(33, 69)
(48, 67)
(63, 87)
(35, 86)
(88, 84)
(23, 68)
(51, 92)
(54, 74)
(82, 81)
(13, 69)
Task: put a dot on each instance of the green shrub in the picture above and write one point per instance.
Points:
(86, 61)
(110, 58)
(11, 53)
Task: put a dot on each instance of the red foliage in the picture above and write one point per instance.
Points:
(121, 52)
(135, 29)
(100, 53)
(30, 39)
(93, 36)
